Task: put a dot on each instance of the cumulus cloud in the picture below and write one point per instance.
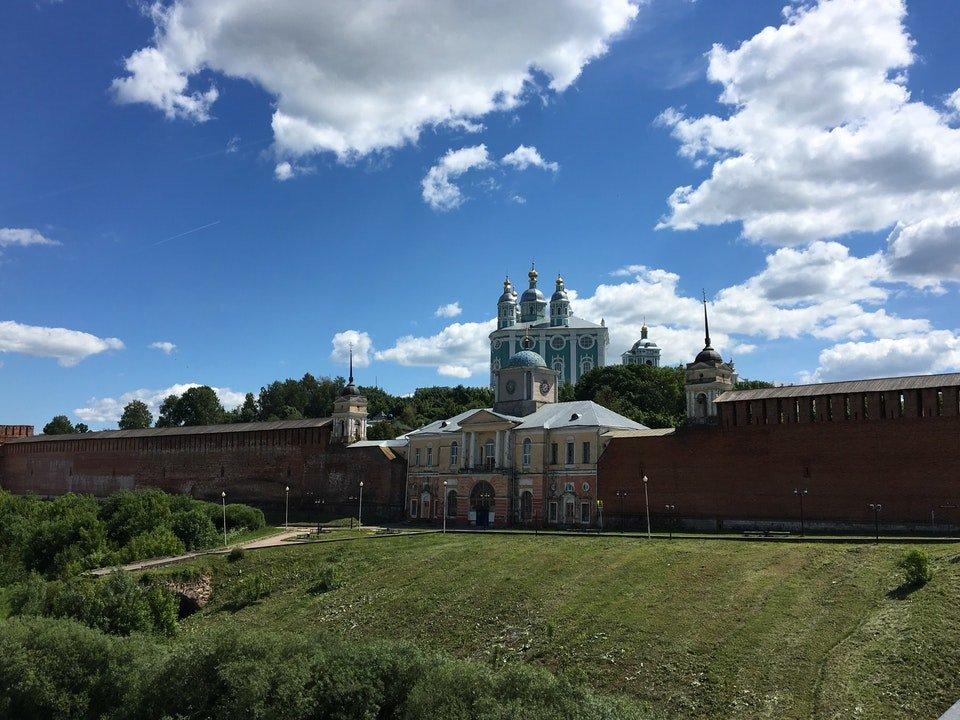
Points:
(68, 347)
(449, 310)
(525, 157)
(23, 237)
(109, 409)
(437, 189)
(441, 193)
(932, 352)
(360, 342)
(458, 350)
(822, 137)
(287, 170)
(927, 251)
(164, 346)
(355, 78)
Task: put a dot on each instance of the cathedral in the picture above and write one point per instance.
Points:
(568, 344)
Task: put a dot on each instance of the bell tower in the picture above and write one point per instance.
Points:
(349, 413)
(707, 377)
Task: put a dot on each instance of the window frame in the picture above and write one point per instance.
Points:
(526, 452)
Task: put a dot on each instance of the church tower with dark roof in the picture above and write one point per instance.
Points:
(349, 413)
(707, 377)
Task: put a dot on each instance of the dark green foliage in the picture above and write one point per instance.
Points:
(115, 605)
(327, 579)
(136, 415)
(194, 528)
(81, 428)
(235, 555)
(649, 395)
(60, 425)
(246, 591)
(159, 542)
(197, 406)
(386, 430)
(129, 513)
(752, 385)
(245, 413)
(244, 517)
(60, 670)
(915, 565)
(307, 397)
(70, 537)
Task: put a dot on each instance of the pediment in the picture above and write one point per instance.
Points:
(484, 418)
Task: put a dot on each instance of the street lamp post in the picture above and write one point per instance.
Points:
(672, 510)
(800, 492)
(876, 507)
(223, 501)
(286, 512)
(444, 506)
(646, 501)
(360, 508)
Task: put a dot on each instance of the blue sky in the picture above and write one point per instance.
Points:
(252, 192)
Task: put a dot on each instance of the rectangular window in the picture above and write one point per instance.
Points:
(749, 412)
(585, 513)
(454, 454)
(780, 417)
(554, 454)
(813, 409)
(796, 411)
(830, 408)
(883, 405)
(553, 512)
(414, 507)
(919, 403)
(939, 403)
(416, 457)
(865, 406)
(570, 452)
(586, 453)
(429, 456)
(901, 401)
(847, 411)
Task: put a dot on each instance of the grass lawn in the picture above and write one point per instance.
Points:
(688, 628)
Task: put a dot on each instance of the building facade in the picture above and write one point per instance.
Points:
(569, 345)
(528, 460)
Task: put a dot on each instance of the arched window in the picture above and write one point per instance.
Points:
(429, 456)
(454, 454)
(558, 366)
(489, 455)
(451, 503)
(701, 405)
(527, 449)
(586, 365)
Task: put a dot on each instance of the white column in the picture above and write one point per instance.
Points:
(573, 359)
(462, 460)
(496, 450)
(473, 449)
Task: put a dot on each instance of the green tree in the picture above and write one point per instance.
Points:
(136, 415)
(194, 528)
(60, 425)
(81, 428)
(197, 406)
(649, 395)
(752, 385)
(129, 513)
(245, 413)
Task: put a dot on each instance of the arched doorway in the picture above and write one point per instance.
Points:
(425, 505)
(701, 410)
(526, 505)
(481, 503)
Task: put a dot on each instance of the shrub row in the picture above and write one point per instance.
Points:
(59, 670)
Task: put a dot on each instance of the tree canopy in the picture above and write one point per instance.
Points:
(652, 396)
(136, 415)
(197, 406)
(60, 425)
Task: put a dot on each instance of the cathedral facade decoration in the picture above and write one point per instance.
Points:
(569, 345)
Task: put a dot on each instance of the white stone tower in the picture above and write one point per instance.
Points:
(349, 413)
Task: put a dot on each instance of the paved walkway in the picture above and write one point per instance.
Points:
(284, 537)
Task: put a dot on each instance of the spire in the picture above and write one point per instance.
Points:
(350, 381)
(706, 323)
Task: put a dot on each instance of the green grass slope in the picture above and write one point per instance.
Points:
(688, 628)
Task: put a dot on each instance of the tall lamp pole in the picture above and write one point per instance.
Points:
(286, 512)
(800, 492)
(876, 507)
(646, 500)
(444, 505)
(223, 501)
(360, 508)
(672, 509)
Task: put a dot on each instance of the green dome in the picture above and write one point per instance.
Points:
(526, 358)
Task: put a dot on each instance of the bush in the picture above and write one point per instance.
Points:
(248, 590)
(129, 513)
(69, 540)
(194, 528)
(235, 555)
(916, 568)
(244, 517)
(29, 596)
(328, 579)
(160, 542)
(60, 670)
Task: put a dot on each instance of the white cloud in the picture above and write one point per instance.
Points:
(68, 347)
(526, 156)
(926, 251)
(458, 350)
(822, 138)
(23, 237)
(449, 310)
(355, 78)
(344, 340)
(437, 189)
(932, 352)
(287, 170)
(108, 409)
(164, 346)
(233, 145)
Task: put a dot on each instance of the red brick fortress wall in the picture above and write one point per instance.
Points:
(746, 476)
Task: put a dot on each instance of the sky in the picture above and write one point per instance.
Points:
(227, 192)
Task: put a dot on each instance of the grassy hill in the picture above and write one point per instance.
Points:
(688, 628)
